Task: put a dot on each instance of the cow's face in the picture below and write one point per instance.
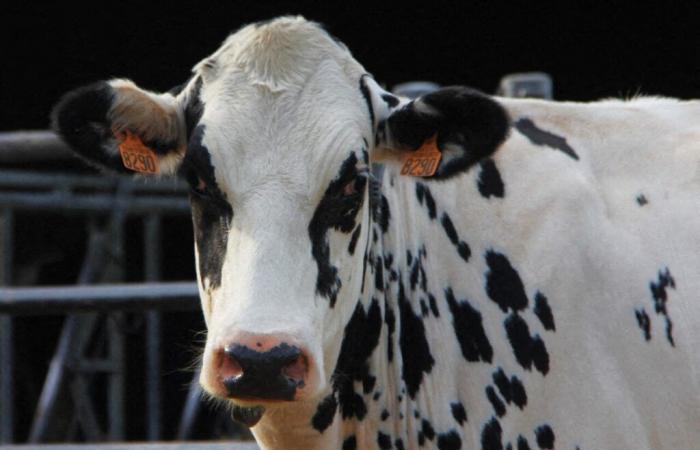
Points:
(274, 133)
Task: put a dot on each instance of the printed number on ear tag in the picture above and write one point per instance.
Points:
(424, 161)
(136, 156)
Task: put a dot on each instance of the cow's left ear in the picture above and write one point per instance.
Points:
(464, 125)
(120, 127)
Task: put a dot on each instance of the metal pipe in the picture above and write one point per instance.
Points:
(32, 146)
(152, 257)
(170, 296)
(66, 202)
(6, 335)
(225, 445)
(39, 180)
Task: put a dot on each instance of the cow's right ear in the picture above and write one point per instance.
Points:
(117, 126)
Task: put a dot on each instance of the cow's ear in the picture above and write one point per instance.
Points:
(119, 127)
(462, 124)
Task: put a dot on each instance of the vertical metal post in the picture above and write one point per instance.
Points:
(116, 384)
(6, 344)
(152, 257)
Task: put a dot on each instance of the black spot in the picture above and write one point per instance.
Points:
(642, 200)
(509, 446)
(427, 429)
(376, 396)
(543, 312)
(490, 183)
(464, 250)
(491, 435)
(383, 440)
(462, 247)
(211, 213)
(522, 443)
(335, 211)
(660, 297)
(511, 390)
(385, 415)
(449, 441)
(350, 443)
(390, 320)
(423, 192)
(458, 412)
(496, 402)
(381, 213)
(421, 438)
(644, 323)
(398, 443)
(503, 284)
(461, 118)
(449, 229)
(325, 412)
(423, 308)
(415, 350)
(194, 107)
(359, 341)
(469, 329)
(545, 437)
(433, 305)
(379, 274)
(388, 260)
(368, 382)
(390, 100)
(353, 239)
(368, 98)
(416, 414)
(528, 350)
(399, 398)
(540, 137)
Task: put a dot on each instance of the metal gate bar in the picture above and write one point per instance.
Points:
(33, 301)
(6, 344)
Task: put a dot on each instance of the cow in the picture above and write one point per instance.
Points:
(521, 274)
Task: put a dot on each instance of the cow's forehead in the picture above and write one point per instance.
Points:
(281, 105)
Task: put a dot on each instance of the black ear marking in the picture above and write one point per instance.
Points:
(80, 118)
(469, 127)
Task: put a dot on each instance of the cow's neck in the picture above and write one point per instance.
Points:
(402, 395)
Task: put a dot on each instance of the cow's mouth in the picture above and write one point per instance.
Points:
(248, 415)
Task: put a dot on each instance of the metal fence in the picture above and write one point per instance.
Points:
(105, 203)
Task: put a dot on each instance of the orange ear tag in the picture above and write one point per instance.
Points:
(136, 156)
(424, 161)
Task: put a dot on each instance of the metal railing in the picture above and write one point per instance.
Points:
(112, 200)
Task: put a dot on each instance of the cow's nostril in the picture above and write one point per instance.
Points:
(296, 370)
(229, 368)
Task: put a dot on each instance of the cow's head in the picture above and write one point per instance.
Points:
(275, 134)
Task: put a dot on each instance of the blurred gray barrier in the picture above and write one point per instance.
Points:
(232, 445)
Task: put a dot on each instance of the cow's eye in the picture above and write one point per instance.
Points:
(354, 187)
(198, 186)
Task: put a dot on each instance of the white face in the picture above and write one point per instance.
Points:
(279, 170)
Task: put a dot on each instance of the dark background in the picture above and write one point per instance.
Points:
(616, 49)
(612, 49)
